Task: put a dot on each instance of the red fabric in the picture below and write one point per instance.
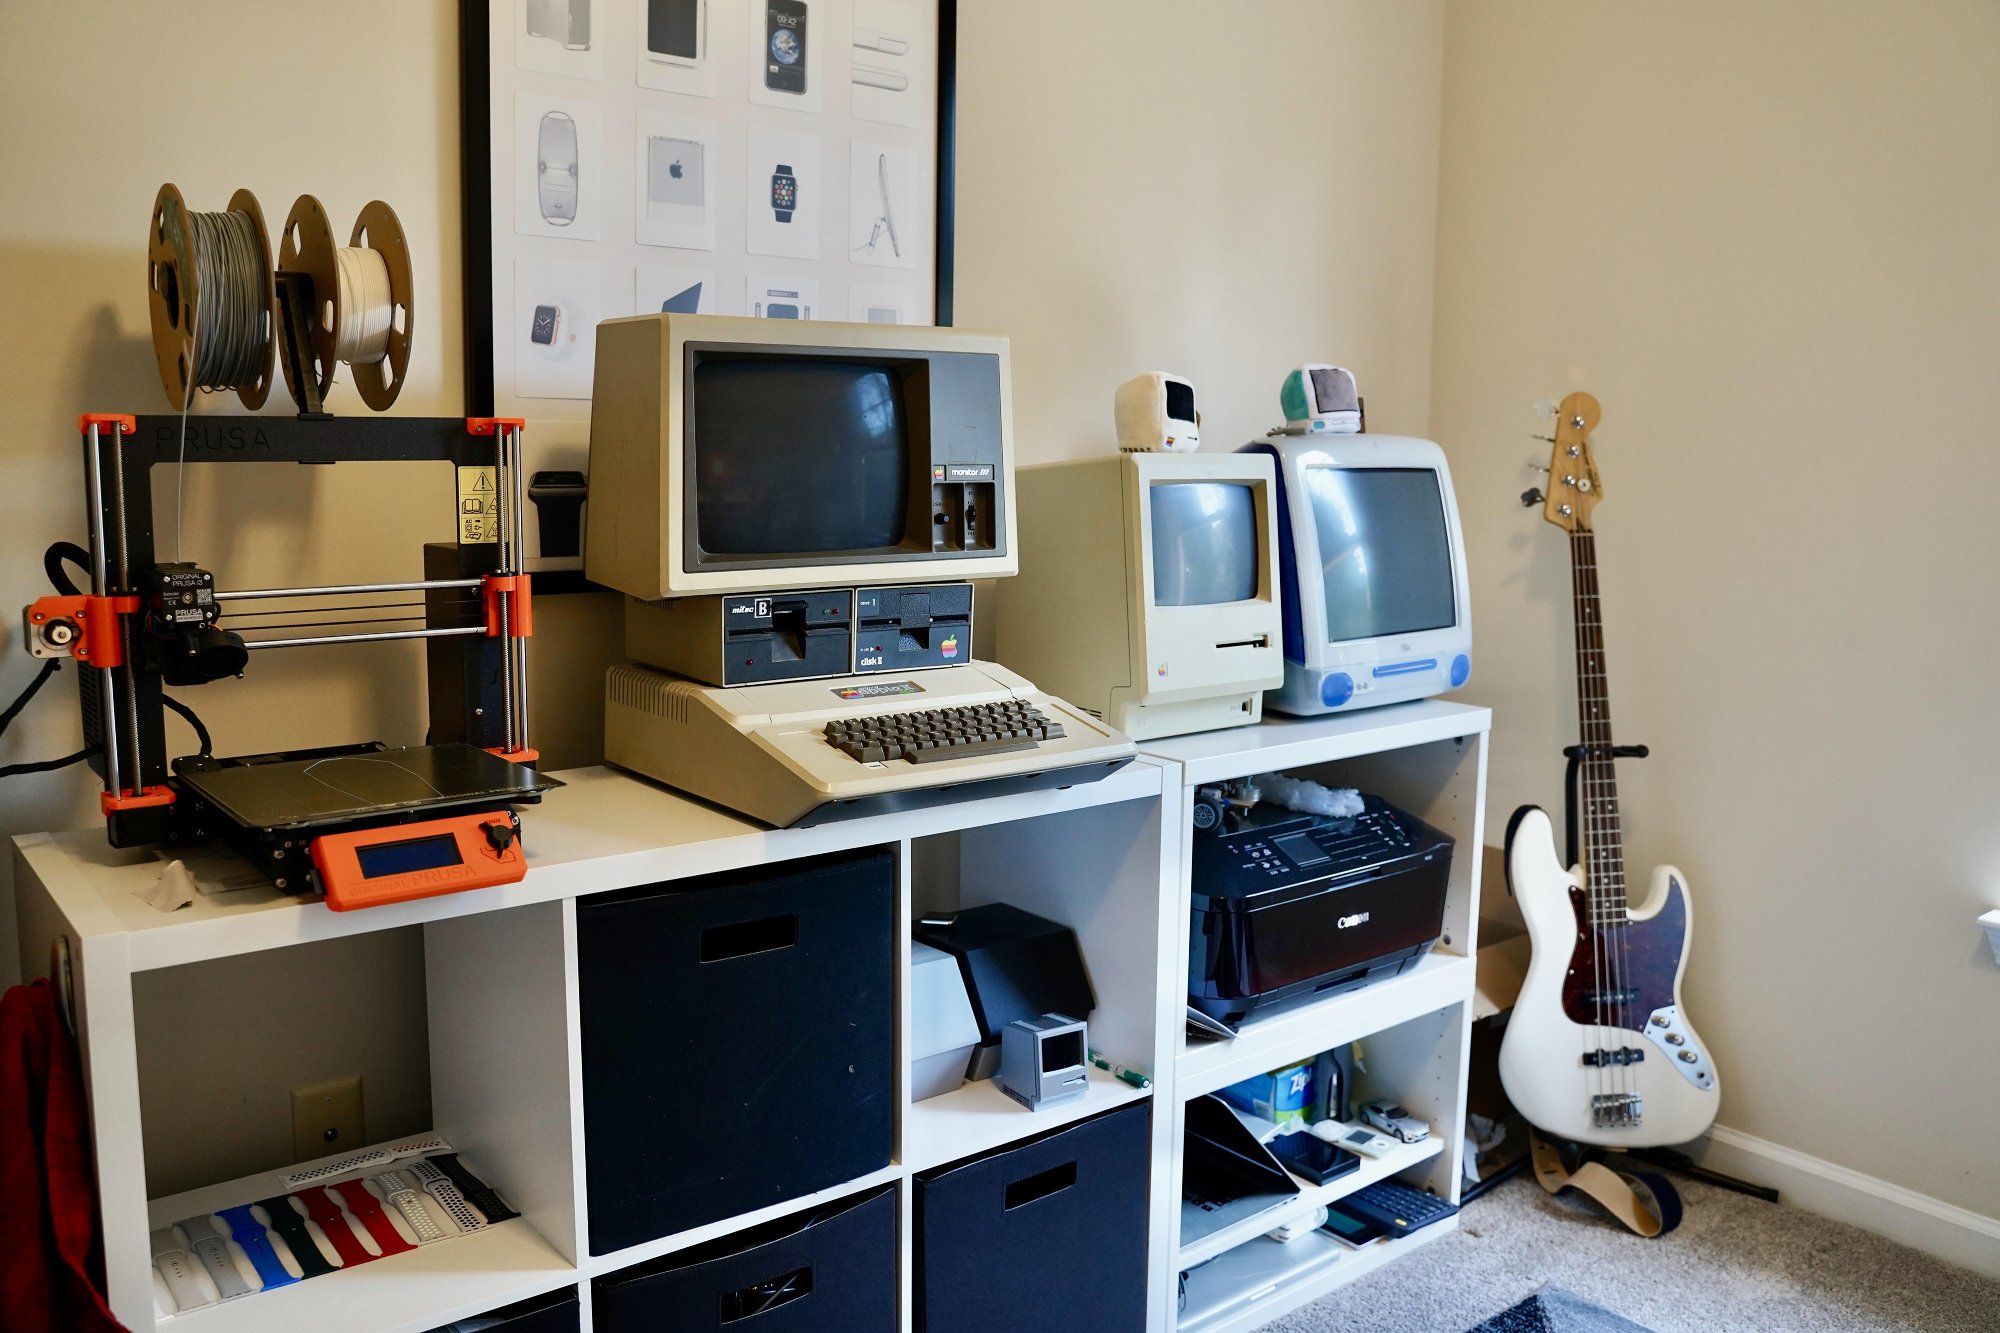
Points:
(51, 1256)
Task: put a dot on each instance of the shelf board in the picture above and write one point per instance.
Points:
(1310, 1198)
(1281, 742)
(1245, 1268)
(1438, 980)
(603, 830)
(979, 1117)
(419, 1289)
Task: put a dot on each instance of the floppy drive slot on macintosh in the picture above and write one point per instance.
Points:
(1261, 641)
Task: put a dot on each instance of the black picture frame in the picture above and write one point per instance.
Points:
(475, 141)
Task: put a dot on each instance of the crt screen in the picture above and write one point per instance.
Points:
(1204, 543)
(400, 858)
(1180, 401)
(1384, 553)
(795, 456)
(1062, 1051)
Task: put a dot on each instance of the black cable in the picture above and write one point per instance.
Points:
(41, 678)
(48, 765)
(52, 564)
(200, 732)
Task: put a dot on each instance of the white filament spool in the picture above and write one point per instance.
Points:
(367, 306)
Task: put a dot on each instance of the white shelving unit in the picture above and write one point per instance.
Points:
(1415, 1029)
(1109, 859)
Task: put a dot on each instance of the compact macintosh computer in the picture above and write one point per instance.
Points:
(1149, 588)
(794, 512)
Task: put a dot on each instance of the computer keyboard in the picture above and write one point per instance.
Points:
(943, 733)
(1397, 1208)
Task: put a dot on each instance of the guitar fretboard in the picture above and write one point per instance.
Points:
(1603, 843)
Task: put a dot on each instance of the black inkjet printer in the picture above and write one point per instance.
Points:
(1288, 906)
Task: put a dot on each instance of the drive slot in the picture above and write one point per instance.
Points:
(1261, 641)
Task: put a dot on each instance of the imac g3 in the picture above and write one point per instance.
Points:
(1375, 599)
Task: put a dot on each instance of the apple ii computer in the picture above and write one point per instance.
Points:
(795, 511)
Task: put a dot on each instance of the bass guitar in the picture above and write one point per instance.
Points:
(1599, 1049)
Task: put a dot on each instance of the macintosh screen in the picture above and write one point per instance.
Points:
(1384, 552)
(796, 456)
(1205, 538)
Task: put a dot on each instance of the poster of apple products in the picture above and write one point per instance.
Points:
(776, 159)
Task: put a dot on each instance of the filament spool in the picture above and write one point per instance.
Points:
(190, 280)
(361, 298)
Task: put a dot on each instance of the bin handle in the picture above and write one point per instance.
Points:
(761, 1297)
(740, 939)
(1040, 1185)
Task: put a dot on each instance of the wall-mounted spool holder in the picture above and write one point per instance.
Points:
(173, 288)
(310, 308)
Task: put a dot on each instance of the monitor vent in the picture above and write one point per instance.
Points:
(650, 692)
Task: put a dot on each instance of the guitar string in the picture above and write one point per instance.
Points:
(1601, 881)
(1597, 1079)
(1602, 788)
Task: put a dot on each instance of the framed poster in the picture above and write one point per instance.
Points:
(780, 159)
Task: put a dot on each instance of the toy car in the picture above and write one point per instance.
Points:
(1396, 1122)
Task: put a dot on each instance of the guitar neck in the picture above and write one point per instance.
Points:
(1603, 840)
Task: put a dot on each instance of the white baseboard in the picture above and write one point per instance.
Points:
(1956, 1235)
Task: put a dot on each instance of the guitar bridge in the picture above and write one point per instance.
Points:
(1624, 1055)
(1616, 1110)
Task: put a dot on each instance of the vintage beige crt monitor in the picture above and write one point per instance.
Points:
(1148, 590)
(826, 492)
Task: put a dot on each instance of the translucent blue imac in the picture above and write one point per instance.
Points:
(1375, 609)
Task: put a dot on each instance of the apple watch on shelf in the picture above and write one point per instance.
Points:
(212, 1248)
(247, 1231)
(176, 1265)
(285, 1220)
(784, 192)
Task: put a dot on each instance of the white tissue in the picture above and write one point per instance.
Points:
(1311, 798)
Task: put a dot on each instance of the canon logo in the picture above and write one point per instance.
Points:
(1353, 920)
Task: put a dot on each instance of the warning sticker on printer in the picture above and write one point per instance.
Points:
(878, 690)
(478, 506)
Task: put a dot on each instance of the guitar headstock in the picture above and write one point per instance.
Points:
(1573, 486)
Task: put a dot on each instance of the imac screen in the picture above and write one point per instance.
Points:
(1204, 543)
(1384, 552)
(796, 456)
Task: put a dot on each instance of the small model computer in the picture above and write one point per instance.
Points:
(1148, 590)
(825, 493)
(1375, 603)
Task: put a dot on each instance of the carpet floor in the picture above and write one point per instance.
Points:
(1734, 1263)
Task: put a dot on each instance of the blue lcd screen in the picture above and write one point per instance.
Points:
(400, 858)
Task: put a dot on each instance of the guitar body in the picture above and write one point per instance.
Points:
(1596, 1050)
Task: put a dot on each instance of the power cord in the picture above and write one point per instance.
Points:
(188, 714)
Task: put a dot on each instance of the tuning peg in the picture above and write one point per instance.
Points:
(1532, 497)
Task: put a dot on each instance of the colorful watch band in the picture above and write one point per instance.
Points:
(484, 1197)
(212, 1248)
(247, 1231)
(285, 1220)
(438, 1185)
(407, 1198)
(173, 1263)
(367, 1210)
(324, 1209)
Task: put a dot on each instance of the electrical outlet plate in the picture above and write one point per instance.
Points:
(326, 1119)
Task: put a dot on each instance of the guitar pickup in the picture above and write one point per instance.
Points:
(1624, 1055)
(1611, 999)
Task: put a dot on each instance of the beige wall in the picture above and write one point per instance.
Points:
(1764, 235)
(1192, 187)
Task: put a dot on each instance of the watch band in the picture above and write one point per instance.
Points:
(324, 1209)
(483, 1196)
(247, 1231)
(367, 1210)
(285, 1220)
(407, 1198)
(438, 1185)
(212, 1248)
(176, 1265)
